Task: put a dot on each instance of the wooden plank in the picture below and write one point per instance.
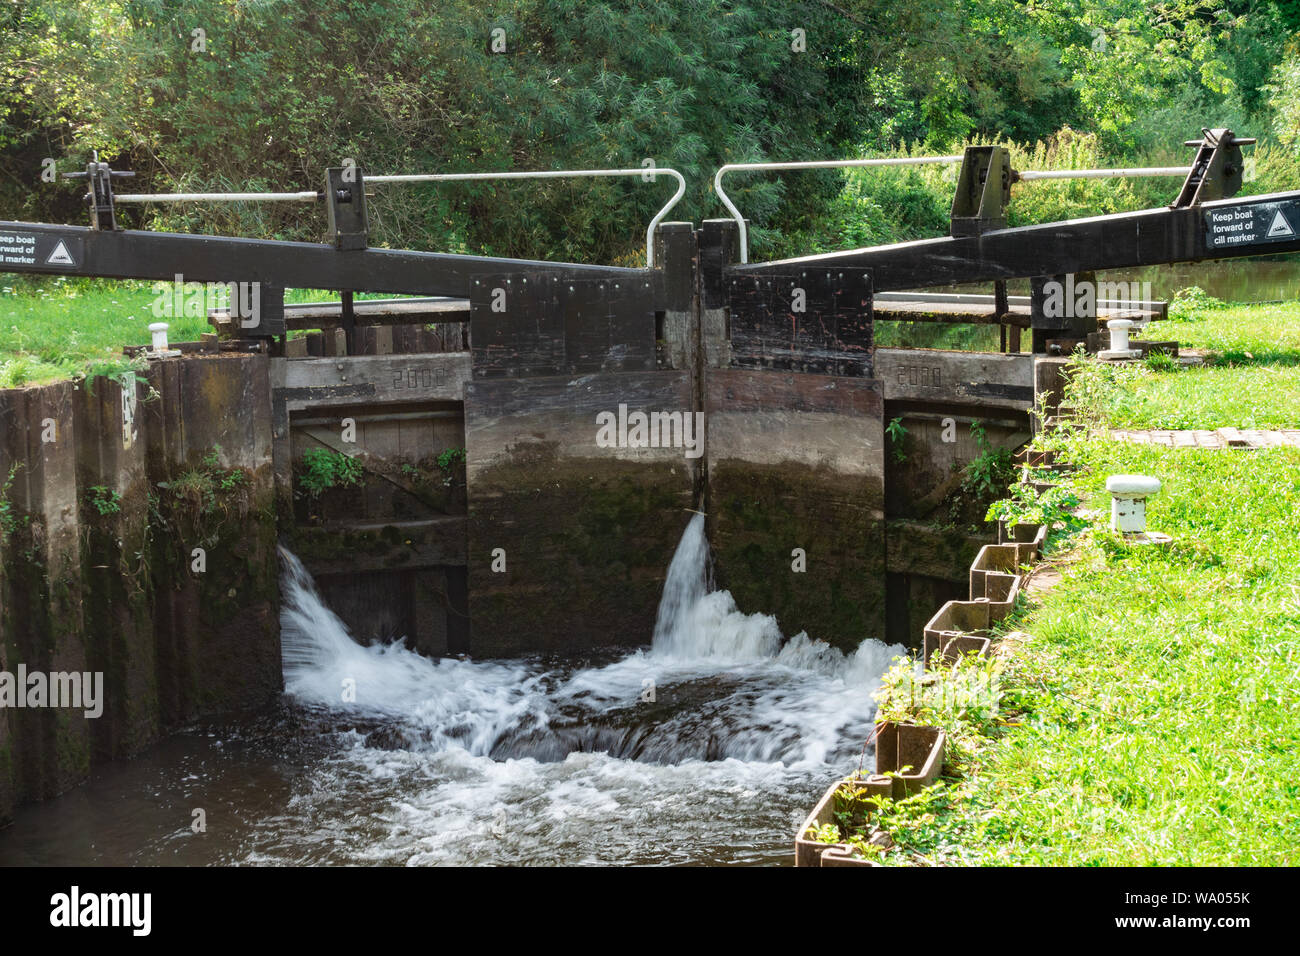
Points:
(974, 314)
(943, 304)
(314, 315)
(812, 421)
(373, 546)
(818, 322)
(557, 415)
(375, 378)
(538, 324)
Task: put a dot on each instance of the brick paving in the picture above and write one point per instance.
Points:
(1218, 438)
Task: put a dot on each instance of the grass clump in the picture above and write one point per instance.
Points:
(1055, 507)
(990, 470)
(204, 486)
(11, 518)
(1190, 304)
(104, 500)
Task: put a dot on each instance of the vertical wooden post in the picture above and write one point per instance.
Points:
(1001, 308)
(349, 322)
(719, 248)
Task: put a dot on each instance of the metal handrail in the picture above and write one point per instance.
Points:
(216, 197)
(815, 164)
(648, 174)
(1028, 175)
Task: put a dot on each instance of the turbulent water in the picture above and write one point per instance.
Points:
(708, 747)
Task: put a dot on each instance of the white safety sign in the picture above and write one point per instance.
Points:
(1252, 224)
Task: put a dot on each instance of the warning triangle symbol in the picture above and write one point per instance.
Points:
(60, 256)
(1280, 228)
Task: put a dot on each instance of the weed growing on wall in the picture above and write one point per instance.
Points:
(104, 500)
(322, 469)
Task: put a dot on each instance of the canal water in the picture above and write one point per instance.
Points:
(707, 747)
(1232, 280)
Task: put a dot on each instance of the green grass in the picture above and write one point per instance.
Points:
(957, 337)
(1252, 381)
(58, 329)
(1260, 396)
(1149, 717)
(1159, 685)
(1239, 334)
(61, 328)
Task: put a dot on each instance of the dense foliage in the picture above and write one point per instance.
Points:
(263, 94)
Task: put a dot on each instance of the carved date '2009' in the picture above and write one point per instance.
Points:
(419, 376)
(924, 375)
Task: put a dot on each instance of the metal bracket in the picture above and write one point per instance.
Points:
(983, 191)
(345, 200)
(1217, 170)
(99, 178)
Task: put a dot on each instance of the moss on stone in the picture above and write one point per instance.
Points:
(760, 513)
(587, 542)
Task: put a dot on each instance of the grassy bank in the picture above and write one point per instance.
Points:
(60, 328)
(1251, 378)
(1154, 699)
(1144, 712)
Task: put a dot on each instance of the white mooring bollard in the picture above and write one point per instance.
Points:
(1119, 334)
(159, 347)
(1128, 501)
(159, 332)
(1119, 349)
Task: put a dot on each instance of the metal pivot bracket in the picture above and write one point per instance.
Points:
(99, 178)
(345, 200)
(1216, 172)
(983, 191)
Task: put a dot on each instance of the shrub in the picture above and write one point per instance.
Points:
(1188, 304)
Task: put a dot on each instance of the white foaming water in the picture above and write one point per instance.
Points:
(795, 701)
(510, 761)
(458, 703)
(697, 623)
